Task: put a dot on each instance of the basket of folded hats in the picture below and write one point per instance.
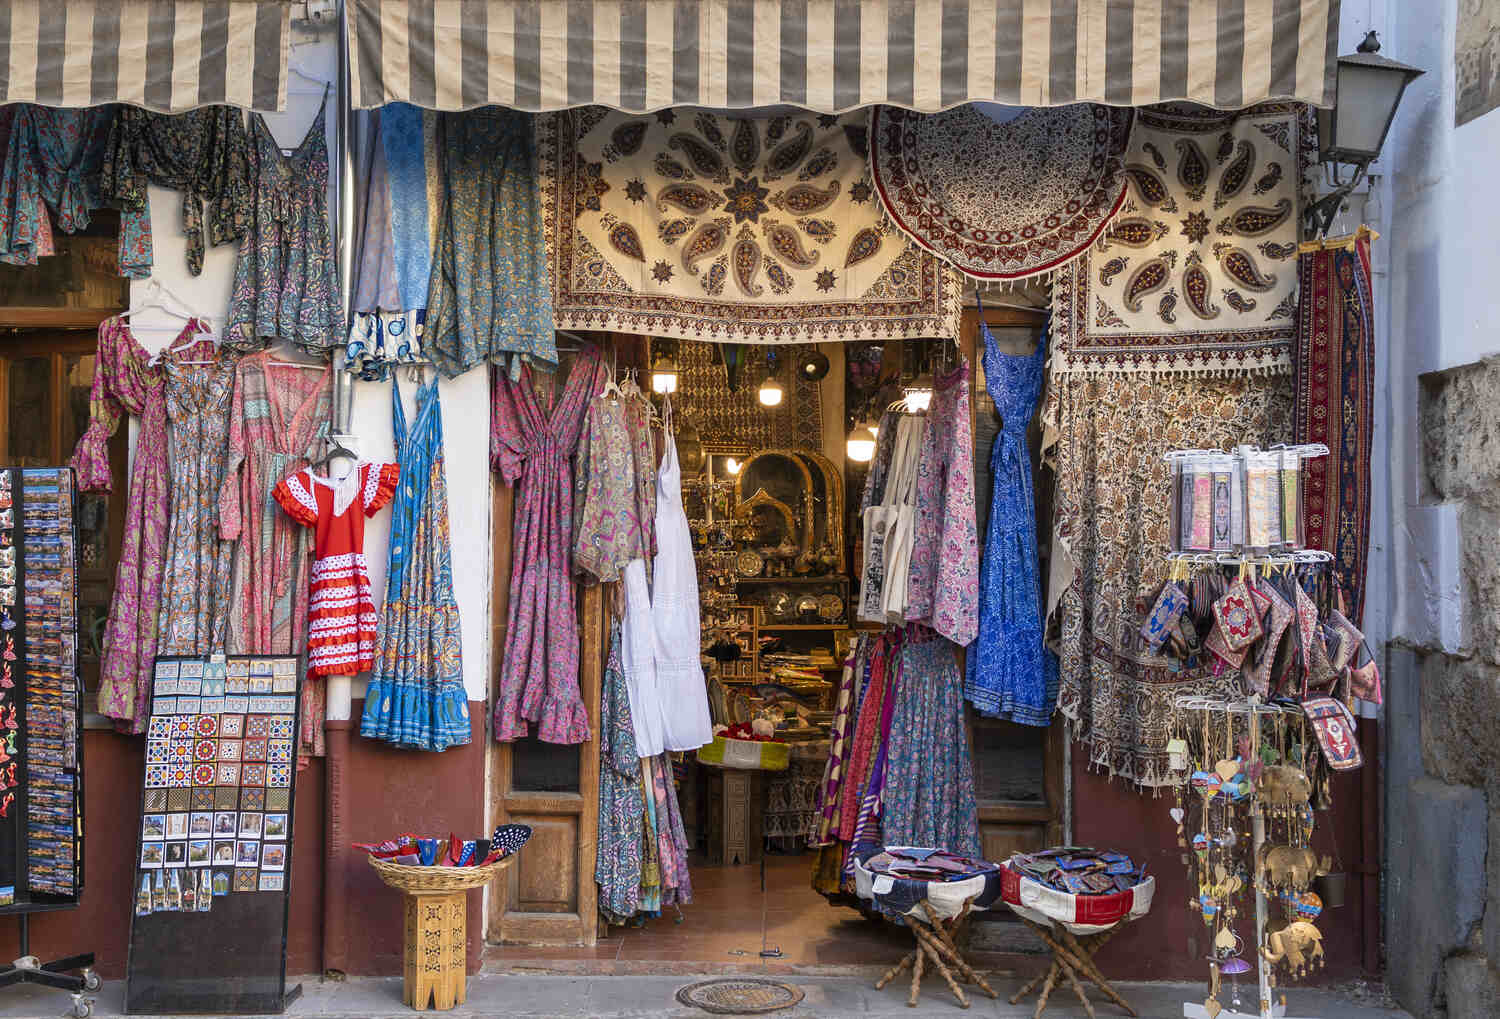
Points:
(423, 866)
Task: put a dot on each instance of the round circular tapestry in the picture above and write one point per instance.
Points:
(739, 995)
(1001, 201)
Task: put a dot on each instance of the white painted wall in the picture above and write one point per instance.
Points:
(465, 400)
(1438, 264)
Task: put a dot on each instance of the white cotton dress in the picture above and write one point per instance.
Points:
(674, 612)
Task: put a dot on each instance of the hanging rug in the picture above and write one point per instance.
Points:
(1197, 273)
(739, 996)
(1001, 201)
(733, 229)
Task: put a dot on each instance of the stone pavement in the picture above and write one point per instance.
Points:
(626, 997)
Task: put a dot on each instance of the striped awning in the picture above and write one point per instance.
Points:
(165, 55)
(835, 55)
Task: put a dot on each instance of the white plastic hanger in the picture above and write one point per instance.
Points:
(611, 387)
(162, 299)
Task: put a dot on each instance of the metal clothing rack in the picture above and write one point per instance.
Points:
(28, 969)
(1268, 1009)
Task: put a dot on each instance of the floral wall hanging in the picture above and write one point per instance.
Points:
(701, 226)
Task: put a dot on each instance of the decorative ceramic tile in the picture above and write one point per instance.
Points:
(229, 749)
(204, 773)
(205, 750)
(258, 725)
(279, 751)
(203, 799)
(156, 797)
(254, 750)
(253, 774)
(182, 725)
(281, 728)
(236, 704)
(179, 776)
(226, 797)
(278, 774)
(166, 707)
(244, 879)
(180, 751)
(189, 705)
(252, 798)
(207, 725)
(157, 751)
(179, 799)
(160, 727)
(211, 705)
(232, 726)
(229, 774)
(278, 799)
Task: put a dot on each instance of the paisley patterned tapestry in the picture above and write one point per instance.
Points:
(1001, 201)
(739, 229)
(1198, 271)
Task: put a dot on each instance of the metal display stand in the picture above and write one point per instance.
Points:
(1268, 1009)
(28, 969)
(41, 505)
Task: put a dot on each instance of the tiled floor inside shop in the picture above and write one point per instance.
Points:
(726, 926)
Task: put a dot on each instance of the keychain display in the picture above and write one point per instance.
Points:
(1247, 502)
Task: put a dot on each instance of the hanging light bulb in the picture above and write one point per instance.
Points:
(770, 392)
(860, 446)
(732, 466)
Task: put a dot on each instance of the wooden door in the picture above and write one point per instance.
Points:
(549, 896)
(45, 378)
(1018, 769)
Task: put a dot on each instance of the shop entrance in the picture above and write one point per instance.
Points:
(773, 500)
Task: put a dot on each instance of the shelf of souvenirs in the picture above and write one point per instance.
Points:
(1290, 557)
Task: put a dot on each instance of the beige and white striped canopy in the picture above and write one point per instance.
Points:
(836, 55)
(165, 55)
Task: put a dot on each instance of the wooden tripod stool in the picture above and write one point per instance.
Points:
(1072, 958)
(937, 945)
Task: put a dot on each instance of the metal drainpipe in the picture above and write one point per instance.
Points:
(336, 729)
(1370, 842)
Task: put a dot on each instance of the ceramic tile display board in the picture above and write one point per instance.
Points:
(214, 850)
(41, 753)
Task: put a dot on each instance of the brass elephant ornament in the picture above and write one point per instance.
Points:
(1286, 868)
(1281, 785)
(1299, 944)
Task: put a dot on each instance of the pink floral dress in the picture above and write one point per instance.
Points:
(532, 449)
(943, 588)
(126, 382)
(277, 421)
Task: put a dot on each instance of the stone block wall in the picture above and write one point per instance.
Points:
(1442, 902)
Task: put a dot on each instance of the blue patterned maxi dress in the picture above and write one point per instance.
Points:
(1011, 675)
(416, 695)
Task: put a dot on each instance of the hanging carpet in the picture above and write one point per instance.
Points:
(1001, 201)
(1110, 530)
(734, 229)
(1196, 273)
(1336, 404)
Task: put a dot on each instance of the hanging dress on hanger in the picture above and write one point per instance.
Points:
(900, 518)
(674, 610)
(943, 583)
(416, 696)
(286, 279)
(617, 866)
(532, 449)
(127, 382)
(1011, 674)
(278, 422)
(195, 584)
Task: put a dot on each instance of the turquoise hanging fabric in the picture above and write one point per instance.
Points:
(416, 694)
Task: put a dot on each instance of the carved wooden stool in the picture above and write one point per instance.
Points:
(937, 945)
(435, 963)
(1072, 958)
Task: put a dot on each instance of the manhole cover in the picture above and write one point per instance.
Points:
(739, 996)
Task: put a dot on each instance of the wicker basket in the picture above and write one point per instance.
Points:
(437, 880)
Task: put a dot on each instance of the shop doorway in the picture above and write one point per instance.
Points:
(749, 834)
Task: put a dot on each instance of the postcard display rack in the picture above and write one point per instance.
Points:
(41, 720)
(214, 850)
